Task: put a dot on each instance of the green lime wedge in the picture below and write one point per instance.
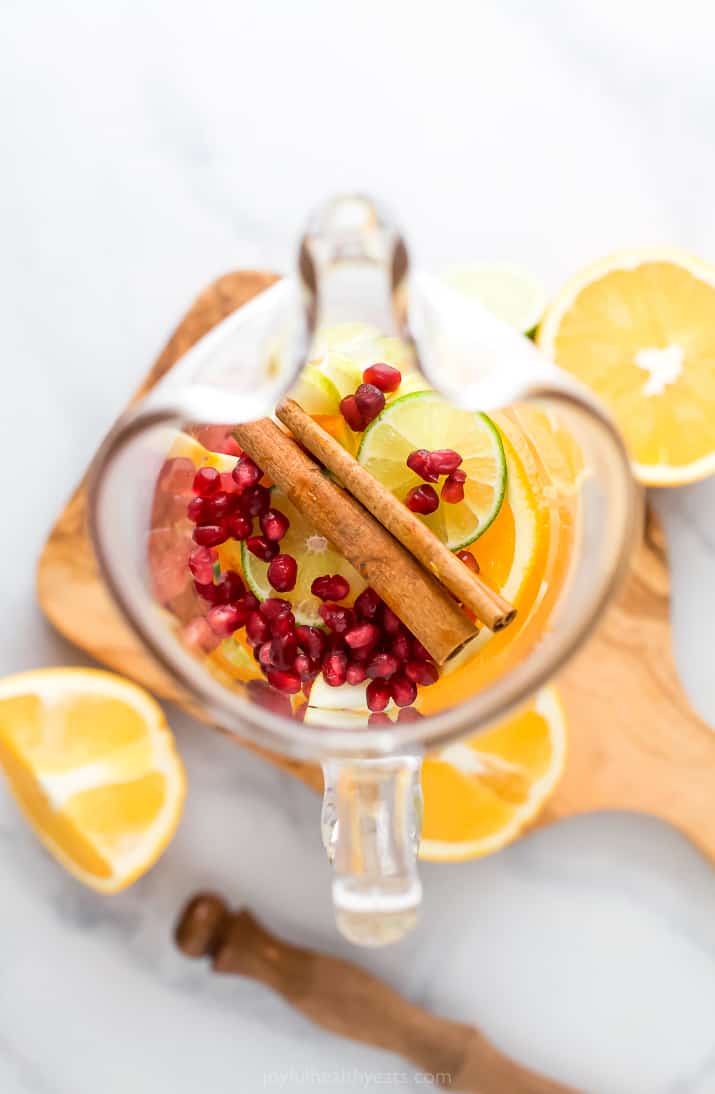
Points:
(425, 420)
(315, 556)
(509, 292)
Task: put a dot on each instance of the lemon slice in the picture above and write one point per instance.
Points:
(425, 420)
(187, 447)
(316, 392)
(507, 291)
(480, 793)
(315, 556)
(639, 329)
(91, 762)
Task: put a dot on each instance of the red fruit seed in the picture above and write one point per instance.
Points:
(390, 622)
(367, 604)
(209, 535)
(330, 588)
(382, 666)
(224, 619)
(378, 695)
(201, 564)
(400, 646)
(239, 527)
(379, 719)
(206, 482)
(422, 499)
(351, 414)
(274, 525)
(339, 619)
(262, 548)
(282, 572)
(443, 461)
(356, 673)
(424, 673)
(452, 491)
(312, 641)
(286, 681)
(283, 624)
(230, 587)
(196, 510)
(418, 461)
(273, 607)
(335, 669)
(469, 560)
(246, 473)
(218, 507)
(255, 500)
(370, 402)
(365, 634)
(306, 668)
(403, 690)
(284, 651)
(385, 377)
(257, 629)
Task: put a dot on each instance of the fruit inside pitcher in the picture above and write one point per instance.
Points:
(267, 602)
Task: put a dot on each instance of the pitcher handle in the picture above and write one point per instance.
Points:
(371, 827)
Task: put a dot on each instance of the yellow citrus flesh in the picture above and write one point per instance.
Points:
(480, 793)
(187, 447)
(639, 330)
(91, 762)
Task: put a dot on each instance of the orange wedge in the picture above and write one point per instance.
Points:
(639, 330)
(91, 762)
(479, 794)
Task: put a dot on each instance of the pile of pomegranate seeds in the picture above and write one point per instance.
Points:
(430, 466)
(363, 407)
(364, 642)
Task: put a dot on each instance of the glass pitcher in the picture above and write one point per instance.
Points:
(352, 266)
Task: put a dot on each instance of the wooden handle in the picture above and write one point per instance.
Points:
(346, 1000)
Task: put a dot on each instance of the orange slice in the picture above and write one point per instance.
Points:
(480, 793)
(639, 329)
(91, 762)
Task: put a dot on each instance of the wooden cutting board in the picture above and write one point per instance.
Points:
(634, 744)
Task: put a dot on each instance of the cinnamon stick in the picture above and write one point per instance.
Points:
(420, 601)
(488, 606)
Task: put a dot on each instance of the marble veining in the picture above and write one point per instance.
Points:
(149, 148)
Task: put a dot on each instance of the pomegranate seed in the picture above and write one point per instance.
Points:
(231, 587)
(197, 635)
(418, 461)
(257, 630)
(306, 668)
(206, 482)
(283, 624)
(209, 535)
(195, 510)
(452, 491)
(209, 592)
(403, 690)
(356, 673)
(337, 618)
(390, 622)
(228, 483)
(312, 641)
(335, 643)
(218, 507)
(351, 414)
(469, 560)
(239, 527)
(282, 572)
(249, 602)
(379, 719)
(274, 525)
(284, 680)
(264, 653)
(246, 473)
(284, 651)
(401, 646)
(443, 461)
(386, 377)
(264, 696)
(201, 564)
(273, 607)
(370, 402)
(224, 619)
(365, 634)
(255, 500)
(330, 588)
(335, 669)
(382, 666)
(367, 604)
(262, 548)
(424, 673)
(409, 714)
(378, 695)
(422, 499)
(230, 446)
(419, 653)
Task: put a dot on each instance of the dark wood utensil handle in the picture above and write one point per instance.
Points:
(344, 999)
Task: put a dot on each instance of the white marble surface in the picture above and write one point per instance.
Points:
(149, 147)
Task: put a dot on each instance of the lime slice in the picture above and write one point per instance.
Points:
(342, 372)
(316, 392)
(315, 556)
(426, 420)
(510, 293)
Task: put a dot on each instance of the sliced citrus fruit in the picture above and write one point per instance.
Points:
(187, 447)
(314, 554)
(316, 392)
(507, 291)
(480, 793)
(639, 329)
(426, 420)
(91, 762)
